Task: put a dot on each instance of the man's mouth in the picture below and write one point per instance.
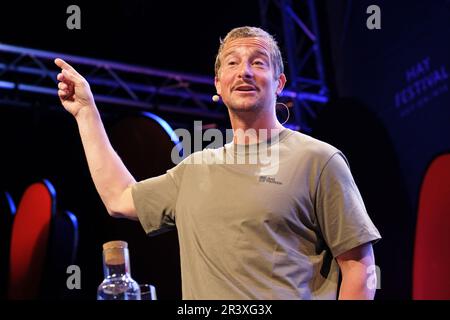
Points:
(245, 88)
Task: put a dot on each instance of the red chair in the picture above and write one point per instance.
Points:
(29, 240)
(431, 268)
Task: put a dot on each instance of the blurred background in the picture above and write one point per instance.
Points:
(381, 95)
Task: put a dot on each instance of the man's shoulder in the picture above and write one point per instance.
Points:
(302, 144)
(204, 157)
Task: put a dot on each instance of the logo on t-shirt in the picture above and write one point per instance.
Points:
(269, 180)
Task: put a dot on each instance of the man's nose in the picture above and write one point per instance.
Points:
(245, 70)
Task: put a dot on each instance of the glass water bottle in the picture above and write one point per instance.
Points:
(118, 284)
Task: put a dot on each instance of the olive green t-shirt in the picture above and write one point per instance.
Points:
(265, 230)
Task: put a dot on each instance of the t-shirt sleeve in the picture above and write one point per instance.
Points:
(155, 201)
(342, 216)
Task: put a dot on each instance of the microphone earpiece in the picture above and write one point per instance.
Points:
(215, 98)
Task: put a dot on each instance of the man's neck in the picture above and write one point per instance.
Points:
(249, 128)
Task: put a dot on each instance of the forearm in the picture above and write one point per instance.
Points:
(355, 285)
(108, 172)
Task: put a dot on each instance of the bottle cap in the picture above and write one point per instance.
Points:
(113, 252)
(115, 244)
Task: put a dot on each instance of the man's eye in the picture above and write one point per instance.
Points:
(231, 63)
(258, 62)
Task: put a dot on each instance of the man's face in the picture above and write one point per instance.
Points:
(245, 80)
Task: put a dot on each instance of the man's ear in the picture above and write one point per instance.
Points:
(217, 84)
(281, 82)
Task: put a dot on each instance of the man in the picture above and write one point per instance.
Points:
(246, 230)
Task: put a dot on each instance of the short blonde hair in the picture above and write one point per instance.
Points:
(253, 32)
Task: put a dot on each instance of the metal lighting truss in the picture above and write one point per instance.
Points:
(26, 70)
(297, 22)
(33, 71)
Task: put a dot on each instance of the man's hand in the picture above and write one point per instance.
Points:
(73, 90)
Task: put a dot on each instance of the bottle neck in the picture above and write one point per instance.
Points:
(116, 262)
(118, 270)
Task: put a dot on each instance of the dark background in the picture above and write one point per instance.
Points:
(170, 35)
(388, 148)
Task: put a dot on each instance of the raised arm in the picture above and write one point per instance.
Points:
(112, 179)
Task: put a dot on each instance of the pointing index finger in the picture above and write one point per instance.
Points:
(63, 65)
